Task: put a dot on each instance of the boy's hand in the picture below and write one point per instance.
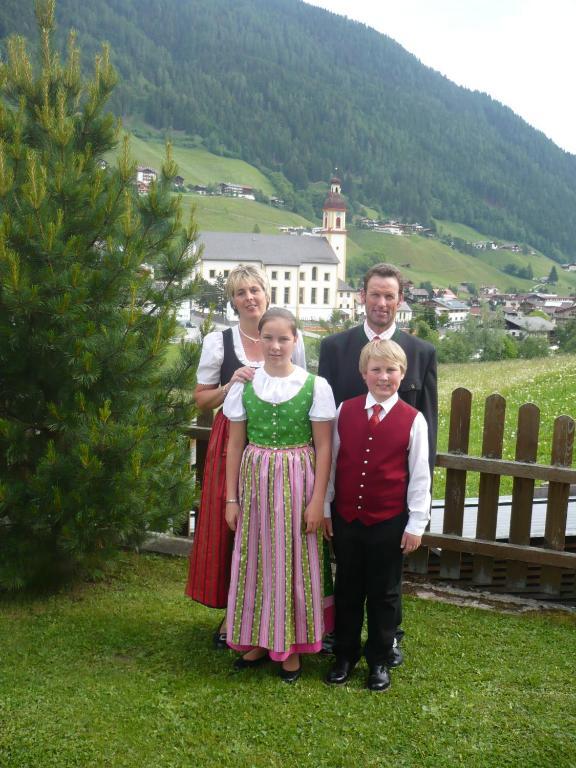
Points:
(313, 516)
(231, 515)
(410, 543)
(327, 529)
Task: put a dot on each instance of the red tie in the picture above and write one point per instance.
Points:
(374, 420)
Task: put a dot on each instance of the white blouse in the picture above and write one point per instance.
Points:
(212, 355)
(279, 389)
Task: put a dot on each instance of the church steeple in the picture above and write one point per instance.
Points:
(334, 223)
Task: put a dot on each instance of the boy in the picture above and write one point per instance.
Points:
(380, 484)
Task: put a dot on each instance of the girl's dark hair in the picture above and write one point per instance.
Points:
(279, 312)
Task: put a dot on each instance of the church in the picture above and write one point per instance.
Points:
(307, 272)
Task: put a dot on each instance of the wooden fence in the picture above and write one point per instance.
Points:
(517, 562)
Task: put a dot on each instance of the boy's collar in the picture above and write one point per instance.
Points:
(386, 404)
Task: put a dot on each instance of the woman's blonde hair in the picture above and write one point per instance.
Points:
(383, 350)
(246, 273)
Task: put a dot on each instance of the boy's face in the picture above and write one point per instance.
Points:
(382, 377)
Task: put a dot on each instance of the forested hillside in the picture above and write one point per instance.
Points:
(298, 91)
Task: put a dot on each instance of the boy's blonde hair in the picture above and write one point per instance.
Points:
(383, 349)
(246, 273)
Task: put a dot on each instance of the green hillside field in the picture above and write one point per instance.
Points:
(423, 258)
(198, 166)
(549, 383)
(229, 214)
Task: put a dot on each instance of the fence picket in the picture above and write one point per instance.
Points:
(489, 490)
(558, 493)
(523, 490)
(460, 411)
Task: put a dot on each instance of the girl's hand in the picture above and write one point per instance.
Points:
(313, 516)
(327, 529)
(232, 511)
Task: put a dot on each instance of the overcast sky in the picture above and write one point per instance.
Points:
(521, 52)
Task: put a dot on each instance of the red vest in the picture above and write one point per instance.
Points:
(372, 464)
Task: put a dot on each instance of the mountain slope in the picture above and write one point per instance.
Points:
(292, 88)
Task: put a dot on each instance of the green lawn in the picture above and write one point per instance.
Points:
(121, 675)
(550, 383)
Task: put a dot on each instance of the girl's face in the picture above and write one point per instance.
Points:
(278, 341)
(250, 300)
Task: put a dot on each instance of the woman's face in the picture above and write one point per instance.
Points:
(250, 300)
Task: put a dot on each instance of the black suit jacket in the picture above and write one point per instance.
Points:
(339, 356)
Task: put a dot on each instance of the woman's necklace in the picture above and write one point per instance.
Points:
(254, 341)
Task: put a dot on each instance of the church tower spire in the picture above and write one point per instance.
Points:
(334, 223)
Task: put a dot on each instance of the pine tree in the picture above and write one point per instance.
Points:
(91, 414)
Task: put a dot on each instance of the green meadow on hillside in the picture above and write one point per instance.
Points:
(549, 383)
(198, 166)
(423, 258)
(230, 214)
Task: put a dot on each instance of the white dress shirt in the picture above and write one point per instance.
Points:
(418, 493)
(387, 334)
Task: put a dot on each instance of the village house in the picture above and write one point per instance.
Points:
(145, 176)
(456, 311)
(236, 190)
(565, 314)
(520, 326)
(348, 299)
(418, 295)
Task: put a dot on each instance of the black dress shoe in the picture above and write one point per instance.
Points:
(378, 679)
(290, 675)
(219, 640)
(396, 657)
(242, 663)
(340, 672)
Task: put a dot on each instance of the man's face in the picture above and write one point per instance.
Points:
(381, 299)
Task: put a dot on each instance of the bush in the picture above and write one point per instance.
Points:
(91, 416)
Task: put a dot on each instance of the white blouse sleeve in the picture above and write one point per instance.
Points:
(299, 355)
(323, 405)
(233, 405)
(211, 359)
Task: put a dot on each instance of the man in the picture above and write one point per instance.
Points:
(340, 353)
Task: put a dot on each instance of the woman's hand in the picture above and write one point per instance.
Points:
(246, 373)
(313, 516)
(232, 512)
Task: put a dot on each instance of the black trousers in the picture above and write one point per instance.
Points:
(368, 573)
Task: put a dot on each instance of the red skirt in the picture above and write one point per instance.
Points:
(211, 554)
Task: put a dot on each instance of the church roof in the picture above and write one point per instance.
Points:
(269, 250)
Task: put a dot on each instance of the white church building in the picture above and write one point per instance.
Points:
(306, 272)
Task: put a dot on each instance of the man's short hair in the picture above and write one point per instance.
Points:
(384, 270)
(383, 349)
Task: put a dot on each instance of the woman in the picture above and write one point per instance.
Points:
(227, 357)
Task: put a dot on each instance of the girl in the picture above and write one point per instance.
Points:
(227, 357)
(275, 493)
